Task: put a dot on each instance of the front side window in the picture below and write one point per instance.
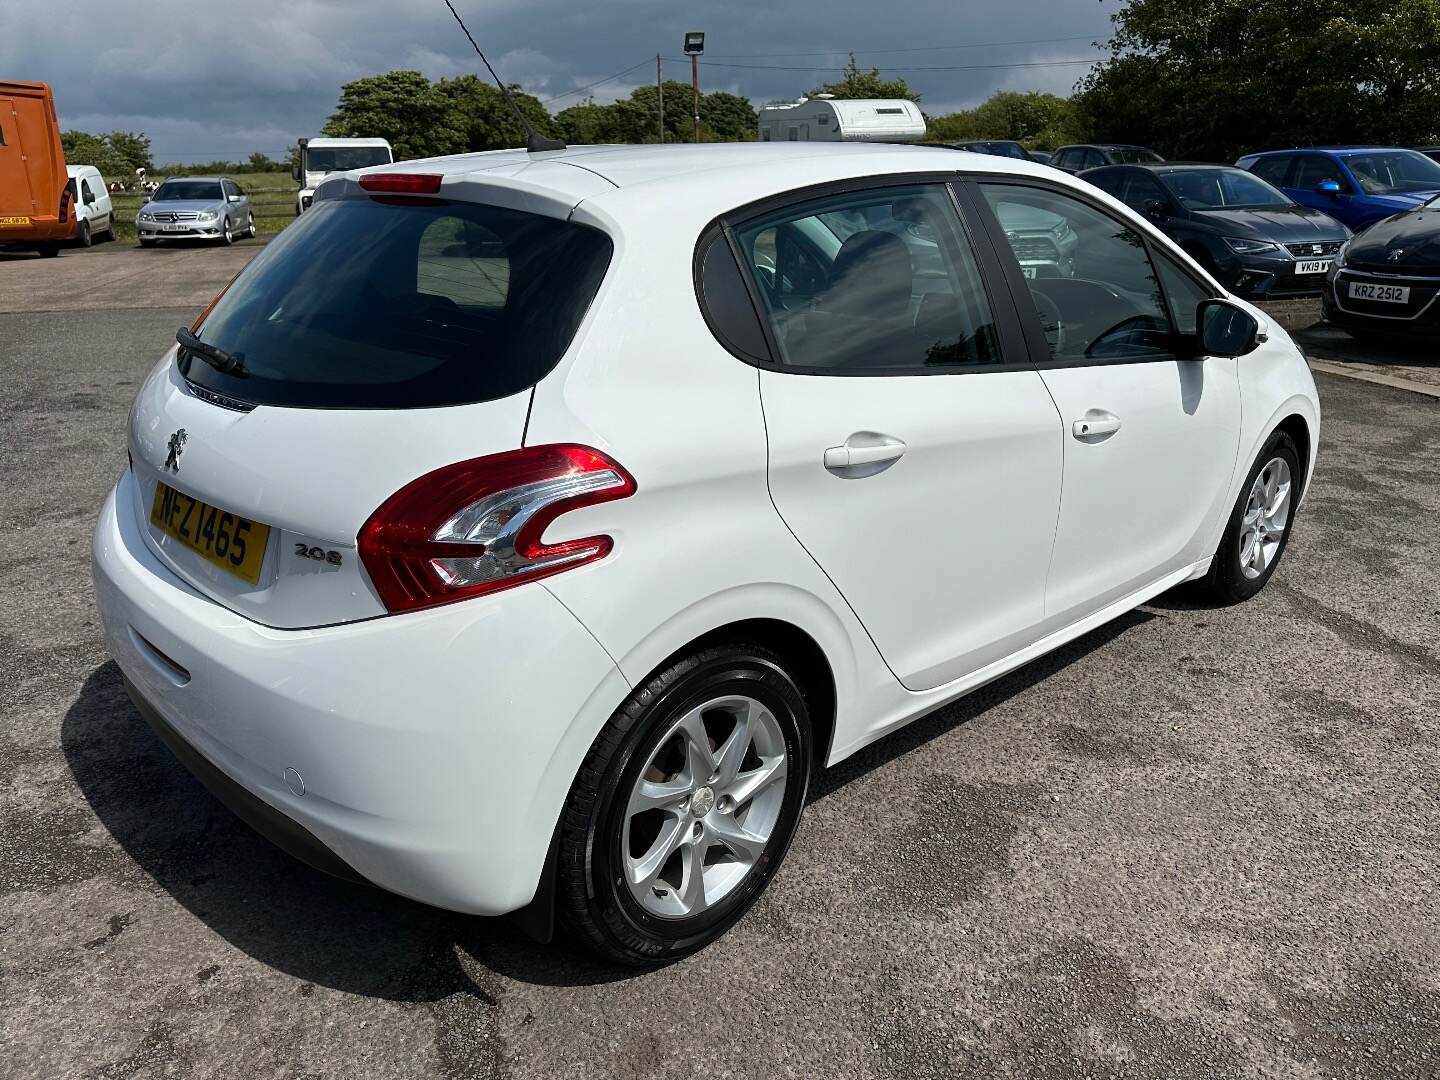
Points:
(1182, 291)
(363, 304)
(1095, 293)
(1141, 191)
(1314, 169)
(880, 281)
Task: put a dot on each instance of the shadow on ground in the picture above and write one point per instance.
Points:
(348, 937)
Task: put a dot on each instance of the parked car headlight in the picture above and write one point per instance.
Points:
(207, 215)
(1241, 246)
(145, 215)
(1344, 250)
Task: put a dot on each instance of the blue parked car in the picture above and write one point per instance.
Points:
(1358, 185)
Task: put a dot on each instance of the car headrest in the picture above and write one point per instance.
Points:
(872, 276)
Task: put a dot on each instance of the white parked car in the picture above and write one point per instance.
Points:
(523, 534)
(94, 212)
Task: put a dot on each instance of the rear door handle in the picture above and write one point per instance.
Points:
(1095, 426)
(862, 452)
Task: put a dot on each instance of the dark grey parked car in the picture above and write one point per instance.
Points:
(1081, 156)
(210, 207)
(1253, 237)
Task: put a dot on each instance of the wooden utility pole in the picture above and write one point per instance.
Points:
(660, 93)
(695, 90)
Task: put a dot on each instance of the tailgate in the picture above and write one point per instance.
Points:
(311, 477)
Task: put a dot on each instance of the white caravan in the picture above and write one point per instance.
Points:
(321, 157)
(827, 119)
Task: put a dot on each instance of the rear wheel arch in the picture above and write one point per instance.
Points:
(1298, 428)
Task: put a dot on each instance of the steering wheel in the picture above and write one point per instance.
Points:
(1051, 321)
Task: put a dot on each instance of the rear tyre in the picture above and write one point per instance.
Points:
(49, 249)
(685, 806)
(83, 236)
(1259, 527)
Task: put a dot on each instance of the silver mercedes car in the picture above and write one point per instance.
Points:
(209, 207)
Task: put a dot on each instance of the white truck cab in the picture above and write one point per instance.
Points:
(321, 157)
(91, 200)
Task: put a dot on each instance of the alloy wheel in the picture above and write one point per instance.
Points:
(704, 807)
(1267, 514)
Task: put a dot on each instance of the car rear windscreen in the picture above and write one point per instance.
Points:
(396, 304)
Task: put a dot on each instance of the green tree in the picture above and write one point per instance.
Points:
(1211, 79)
(855, 83)
(1032, 118)
(129, 150)
(724, 117)
(404, 107)
(118, 153)
(478, 110)
(259, 162)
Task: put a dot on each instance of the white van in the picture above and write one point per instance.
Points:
(320, 157)
(91, 199)
(827, 119)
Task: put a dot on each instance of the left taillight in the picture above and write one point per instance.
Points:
(476, 527)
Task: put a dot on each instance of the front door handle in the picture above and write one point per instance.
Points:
(1095, 426)
(864, 453)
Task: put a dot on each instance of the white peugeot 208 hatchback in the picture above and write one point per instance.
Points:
(518, 531)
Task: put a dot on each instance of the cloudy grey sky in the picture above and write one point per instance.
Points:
(208, 79)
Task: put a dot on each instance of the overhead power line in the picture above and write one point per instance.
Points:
(597, 82)
(913, 48)
(889, 67)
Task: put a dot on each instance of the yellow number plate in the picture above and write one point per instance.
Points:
(228, 540)
(14, 221)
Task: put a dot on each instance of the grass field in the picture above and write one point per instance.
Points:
(272, 196)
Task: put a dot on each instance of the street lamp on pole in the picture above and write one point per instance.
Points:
(694, 47)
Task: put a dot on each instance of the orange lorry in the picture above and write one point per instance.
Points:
(35, 210)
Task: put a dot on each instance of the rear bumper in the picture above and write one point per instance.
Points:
(285, 833)
(428, 753)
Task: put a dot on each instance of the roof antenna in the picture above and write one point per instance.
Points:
(533, 139)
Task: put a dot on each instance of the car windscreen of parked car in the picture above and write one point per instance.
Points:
(1392, 172)
(344, 158)
(1132, 155)
(1222, 189)
(176, 190)
(364, 304)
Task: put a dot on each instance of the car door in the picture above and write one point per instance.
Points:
(913, 449)
(1150, 435)
(1311, 170)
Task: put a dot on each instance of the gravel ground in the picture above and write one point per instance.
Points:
(1196, 843)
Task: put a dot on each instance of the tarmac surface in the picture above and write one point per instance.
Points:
(1196, 843)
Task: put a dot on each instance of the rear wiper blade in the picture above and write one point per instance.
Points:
(218, 358)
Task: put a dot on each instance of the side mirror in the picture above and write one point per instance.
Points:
(233, 198)
(295, 173)
(1329, 187)
(1225, 329)
(89, 198)
(1155, 208)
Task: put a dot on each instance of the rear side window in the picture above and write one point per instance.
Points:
(881, 282)
(1273, 169)
(368, 305)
